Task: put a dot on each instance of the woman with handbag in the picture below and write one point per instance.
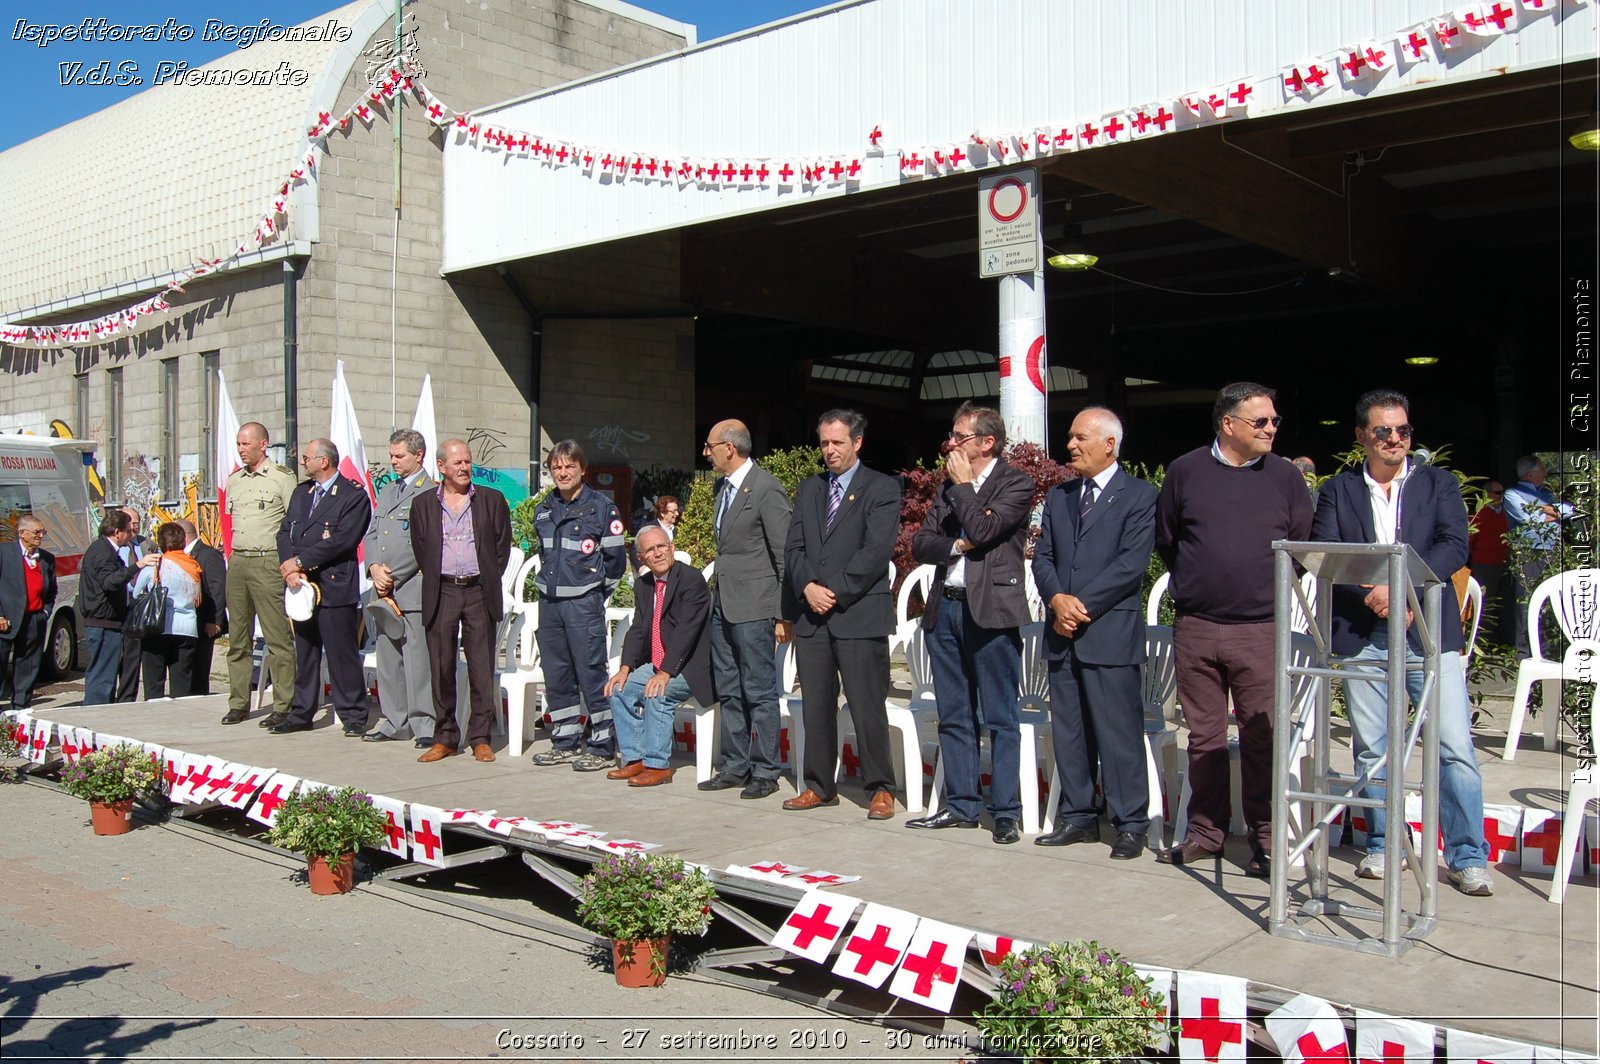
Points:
(168, 657)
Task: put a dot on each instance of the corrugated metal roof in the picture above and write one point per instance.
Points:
(928, 72)
(168, 177)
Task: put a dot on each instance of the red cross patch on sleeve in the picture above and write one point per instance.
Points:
(587, 546)
(616, 526)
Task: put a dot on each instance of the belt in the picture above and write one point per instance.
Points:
(957, 593)
(253, 553)
(461, 581)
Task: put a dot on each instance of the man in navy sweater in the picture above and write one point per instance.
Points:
(1220, 508)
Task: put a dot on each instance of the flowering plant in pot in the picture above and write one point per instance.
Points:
(640, 901)
(1075, 1000)
(109, 779)
(328, 825)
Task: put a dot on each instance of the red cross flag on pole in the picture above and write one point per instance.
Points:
(1383, 1039)
(1308, 1031)
(427, 838)
(815, 925)
(995, 948)
(1468, 1048)
(875, 945)
(930, 968)
(246, 782)
(394, 833)
(271, 796)
(345, 434)
(1211, 1015)
(1160, 980)
(226, 460)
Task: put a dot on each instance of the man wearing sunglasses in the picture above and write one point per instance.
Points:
(1219, 510)
(1391, 498)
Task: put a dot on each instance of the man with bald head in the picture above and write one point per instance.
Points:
(751, 518)
(258, 497)
(27, 595)
(318, 544)
(461, 539)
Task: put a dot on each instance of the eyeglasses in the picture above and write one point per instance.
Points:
(958, 437)
(1383, 432)
(705, 448)
(1258, 423)
(32, 532)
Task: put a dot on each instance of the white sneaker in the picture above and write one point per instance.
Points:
(1473, 880)
(1372, 865)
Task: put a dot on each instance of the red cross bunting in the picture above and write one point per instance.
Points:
(1393, 1053)
(874, 951)
(853, 170)
(217, 784)
(1211, 1030)
(1002, 148)
(836, 171)
(198, 779)
(436, 110)
(813, 926)
(1415, 43)
(270, 800)
(875, 136)
(625, 844)
(1499, 14)
(852, 763)
(1114, 128)
(324, 119)
(762, 173)
(605, 161)
(1473, 20)
(1218, 105)
(714, 172)
(746, 172)
(1161, 118)
(824, 879)
(1240, 92)
(1546, 838)
(1087, 132)
(457, 815)
(638, 166)
(1315, 1052)
(562, 153)
(364, 113)
(1353, 63)
(1141, 122)
(774, 868)
(940, 159)
(619, 166)
(244, 788)
(1316, 75)
(588, 159)
(425, 837)
(685, 736)
(1499, 842)
(1002, 949)
(1377, 58)
(69, 749)
(929, 968)
(915, 161)
(396, 833)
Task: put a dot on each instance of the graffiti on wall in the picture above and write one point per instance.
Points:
(614, 439)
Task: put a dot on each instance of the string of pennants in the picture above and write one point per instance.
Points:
(1351, 69)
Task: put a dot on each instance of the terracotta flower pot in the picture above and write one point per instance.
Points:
(640, 963)
(111, 818)
(335, 878)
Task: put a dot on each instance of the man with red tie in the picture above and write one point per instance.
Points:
(27, 594)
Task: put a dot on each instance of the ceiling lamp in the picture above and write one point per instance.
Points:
(1587, 136)
(1423, 360)
(1072, 253)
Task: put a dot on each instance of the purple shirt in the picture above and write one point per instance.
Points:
(460, 557)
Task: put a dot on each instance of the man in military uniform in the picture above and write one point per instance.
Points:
(405, 687)
(580, 537)
(258, 498)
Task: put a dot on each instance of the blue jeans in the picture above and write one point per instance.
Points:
(1460, 784)
(644, 725)
(975, 676)
(744, 662)
(105, 662)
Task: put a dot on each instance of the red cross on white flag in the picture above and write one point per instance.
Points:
(1379, 56)
(1414, 821)
(930, 968)
(246, 782)
(1448, 32)
(626, 845)
(579, 837)
(1211, 1018)
(278, 787)
(995, 948)
(194, 771)
(1160, 981)
(769, 870)
(1470, 18)
(872, 949)
(1043, 140)
(1591, 841)
(546, 827)
(1383, 1039)
(69, 745)
(815, 925)
(1502, 830)
(221, 781)
(427, 842)
(1308, 1031)
(1541, 841)
(816, 877)
(39, 741)
(394, 835)
(1464, 1046)
(1352, 65)
(468, 816)
(1414, 45)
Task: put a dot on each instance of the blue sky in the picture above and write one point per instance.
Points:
(31, 76)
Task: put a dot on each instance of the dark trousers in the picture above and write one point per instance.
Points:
(128, 671)
(863, 665)
(1213, 660)
(1097, 710)
(332, 630)
(975, 680)
(745, 664)
(200, 672)
(21, 654)
(1496, 601)
(572, 650)
(105, 657)
(462, 610)
(168, 665)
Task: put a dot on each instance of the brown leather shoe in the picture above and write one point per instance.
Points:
(626, 772)
(809, 799)
(1187, 852)
(482, 752)
(438, 752)
(881, 807)
(651, 777)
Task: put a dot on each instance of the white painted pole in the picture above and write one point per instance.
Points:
(1024, 362)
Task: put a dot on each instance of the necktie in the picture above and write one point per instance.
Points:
(1088, 498)
(723, 499)
(316, 496)
(658, 652)
(835, 497)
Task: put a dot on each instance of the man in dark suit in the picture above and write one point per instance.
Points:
(318, 543)
(1391, 496)
(836, 587)
(666, 659)
(751, 518)
(103, 582)
(132, 649)
(975, 533)
(461, 536)
(1095, 543)
(212, 617)
(27, 595)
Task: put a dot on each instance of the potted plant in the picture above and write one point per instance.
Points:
(110, 779)
(328, 826)
(640, 901)
(1071, 1001)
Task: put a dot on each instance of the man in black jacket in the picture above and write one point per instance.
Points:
(27, 595)
(103, 582)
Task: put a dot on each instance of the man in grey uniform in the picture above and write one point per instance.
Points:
(405, 684)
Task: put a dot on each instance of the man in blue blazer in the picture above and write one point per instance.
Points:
(1094, 546)
(1391, 496)
(318, 542)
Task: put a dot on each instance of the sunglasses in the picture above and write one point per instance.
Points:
(1258, 423)
(1383, 432)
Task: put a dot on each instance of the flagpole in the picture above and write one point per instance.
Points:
(394, 250)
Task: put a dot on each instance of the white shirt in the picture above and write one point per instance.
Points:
(1385, 504)
(1101, 479)
(957, 576)
(1216, 452)
(731, 484)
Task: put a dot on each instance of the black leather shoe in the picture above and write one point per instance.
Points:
(719, 782)
(757, 788)
(285, 728)
(354, 731)
(424, 743)
(379, 737)
(1006, 831)
(236, 716)
(1069, 835)
(1259, 867)
(1128, 846)
(1186, 852)
(272, 720)
(944, 818)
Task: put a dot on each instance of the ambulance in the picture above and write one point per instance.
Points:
(50, 478)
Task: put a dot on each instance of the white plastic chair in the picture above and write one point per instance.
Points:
(707, 734)
(1152, 605)
(1574, 598)
(510, 590)
(524, 672)
(919, 581)
(1582, 659)
(1475, 609)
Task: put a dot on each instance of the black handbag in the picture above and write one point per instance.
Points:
(147, 617)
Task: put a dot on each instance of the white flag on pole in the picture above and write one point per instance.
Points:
(345, 434)
(227, 460)
(424, 424)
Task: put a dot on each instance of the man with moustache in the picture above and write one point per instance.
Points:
(405, 680)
